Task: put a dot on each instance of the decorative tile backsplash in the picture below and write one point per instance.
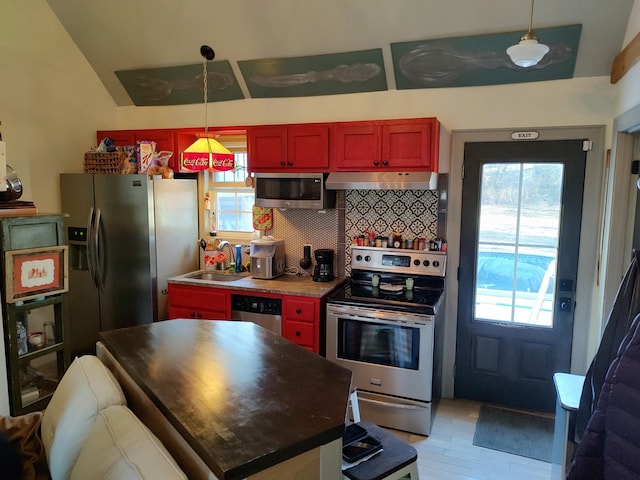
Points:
(414, 213)
(298, 227)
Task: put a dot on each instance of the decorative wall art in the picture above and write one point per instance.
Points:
(331, 74)
(482, 60)
(448, 62)
(36, 272)
(180, 85)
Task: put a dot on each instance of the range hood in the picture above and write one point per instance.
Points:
(383, 180)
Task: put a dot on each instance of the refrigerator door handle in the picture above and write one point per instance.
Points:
(91, 253)
(96, 236)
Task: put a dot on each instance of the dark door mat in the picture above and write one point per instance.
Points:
(519, 433)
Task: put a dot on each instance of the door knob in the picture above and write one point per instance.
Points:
(564, 304)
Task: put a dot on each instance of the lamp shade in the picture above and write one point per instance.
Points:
(207, 153)
(527, 53)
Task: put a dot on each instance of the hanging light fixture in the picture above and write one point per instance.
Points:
(206, 153)
(528, 52)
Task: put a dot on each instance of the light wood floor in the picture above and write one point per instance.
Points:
(449, 454)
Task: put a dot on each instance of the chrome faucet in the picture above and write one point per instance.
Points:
(221, 245)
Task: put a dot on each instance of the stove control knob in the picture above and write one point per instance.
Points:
(416, 262)
(367, 258)
(426, 263)
(359, 258)
(436, 263)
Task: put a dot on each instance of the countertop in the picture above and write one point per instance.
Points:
(282, 285)
(242, 397)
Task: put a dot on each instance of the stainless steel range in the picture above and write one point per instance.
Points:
(384, 326)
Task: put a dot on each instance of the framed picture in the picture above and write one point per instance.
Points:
(36, 272)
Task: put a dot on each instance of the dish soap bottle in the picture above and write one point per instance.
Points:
(22, 338)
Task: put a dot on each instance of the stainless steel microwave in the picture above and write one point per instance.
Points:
(293, 190)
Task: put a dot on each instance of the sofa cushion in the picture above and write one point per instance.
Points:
(120, 447)
(86, 388)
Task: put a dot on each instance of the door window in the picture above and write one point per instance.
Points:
(518, 242)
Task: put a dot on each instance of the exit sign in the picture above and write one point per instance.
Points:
(524, 135)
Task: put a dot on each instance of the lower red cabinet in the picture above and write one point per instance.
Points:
(301, 321)
(300, 315)
(199, 303)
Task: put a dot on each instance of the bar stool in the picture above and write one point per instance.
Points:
(398, 459)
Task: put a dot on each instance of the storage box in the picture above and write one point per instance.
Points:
(102, 162)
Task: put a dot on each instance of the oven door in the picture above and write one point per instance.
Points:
(388, 352)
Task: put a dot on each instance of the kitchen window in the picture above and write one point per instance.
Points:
(231, 200)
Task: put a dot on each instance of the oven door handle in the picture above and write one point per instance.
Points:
(358, 315)
(390, 404)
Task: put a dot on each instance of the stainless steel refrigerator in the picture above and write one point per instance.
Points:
(126, 234)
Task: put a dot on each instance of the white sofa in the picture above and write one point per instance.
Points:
(88, 431)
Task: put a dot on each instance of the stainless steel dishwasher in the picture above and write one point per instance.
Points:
(263, 311)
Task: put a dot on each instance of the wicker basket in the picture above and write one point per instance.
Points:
(102, 162)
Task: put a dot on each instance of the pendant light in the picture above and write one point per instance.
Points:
(206, 153)
(529, 51)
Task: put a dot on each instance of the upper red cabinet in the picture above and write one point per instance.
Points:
(394, 144)
(406, 144)
(164, 138)
(302, 147)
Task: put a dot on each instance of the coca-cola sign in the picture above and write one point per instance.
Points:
(194, 161)
(223, 164)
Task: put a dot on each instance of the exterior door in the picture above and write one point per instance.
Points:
(520, 233)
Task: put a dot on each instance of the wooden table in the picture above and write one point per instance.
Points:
(244, 399)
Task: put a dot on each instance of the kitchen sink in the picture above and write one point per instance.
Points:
(217, 276)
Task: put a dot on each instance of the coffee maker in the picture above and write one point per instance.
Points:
(323, 271)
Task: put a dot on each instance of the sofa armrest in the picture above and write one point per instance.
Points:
(142, 406)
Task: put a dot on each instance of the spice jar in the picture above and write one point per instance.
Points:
(397, 240)
(415, 243)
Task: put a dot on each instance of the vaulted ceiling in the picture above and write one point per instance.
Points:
(116, 35)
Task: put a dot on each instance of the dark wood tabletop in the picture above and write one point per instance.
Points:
(243, 398)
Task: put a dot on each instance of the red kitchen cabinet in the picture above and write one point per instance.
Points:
(120, 137)
(199, 303)
(267, 148)
(165, 140)
(356, 146)
(301, 321)
(394, 144)
(294, 148)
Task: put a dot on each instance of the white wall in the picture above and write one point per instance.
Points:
(620, 207)
(628, 93)
(51, 103)
(582, 101)
(50, 99)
